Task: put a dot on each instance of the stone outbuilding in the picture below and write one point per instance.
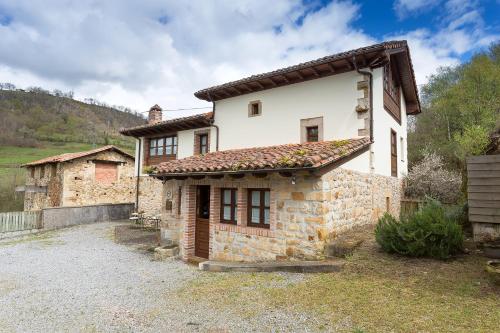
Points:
(99, 176)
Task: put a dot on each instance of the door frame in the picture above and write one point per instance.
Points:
(199, 221)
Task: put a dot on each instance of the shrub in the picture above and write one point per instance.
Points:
(429, 178)
(429, 232)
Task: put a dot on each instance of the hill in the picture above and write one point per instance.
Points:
(36, 124)
(29, 118)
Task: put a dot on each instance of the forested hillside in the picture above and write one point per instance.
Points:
(29, 118)
(461, 109)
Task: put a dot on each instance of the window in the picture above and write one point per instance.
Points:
(152, 147)
(394, 154)
(171, 145)
(163, 146)
(228, 205)
(312, 134)
(203, 143)
(259, 208)
(254, 108)
(311, 129)
(32, 172)
(392, 97)
(42, 171)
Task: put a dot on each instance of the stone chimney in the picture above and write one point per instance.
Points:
(154, 115)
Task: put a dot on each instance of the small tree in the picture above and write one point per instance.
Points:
(429, 178)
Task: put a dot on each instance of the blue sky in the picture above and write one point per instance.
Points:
(139, 53)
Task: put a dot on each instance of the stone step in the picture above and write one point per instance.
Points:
(341, 248)
(326, 266)
(164, 252)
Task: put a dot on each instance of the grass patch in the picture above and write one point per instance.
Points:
(45, 238)
(375, 292)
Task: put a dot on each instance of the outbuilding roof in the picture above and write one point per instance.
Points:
(71, 156)
(288, 157)
(371, 56)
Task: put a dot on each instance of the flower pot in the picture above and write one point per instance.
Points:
(492, 250)
(493, 269)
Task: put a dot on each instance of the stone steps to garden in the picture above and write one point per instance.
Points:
(326, 266)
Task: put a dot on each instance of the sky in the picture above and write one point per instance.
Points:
(141, 53)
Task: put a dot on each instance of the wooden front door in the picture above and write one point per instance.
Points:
(202, 230)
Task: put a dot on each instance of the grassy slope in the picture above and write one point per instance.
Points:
(375, 292)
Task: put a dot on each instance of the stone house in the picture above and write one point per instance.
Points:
(285, 161)
(98, 176)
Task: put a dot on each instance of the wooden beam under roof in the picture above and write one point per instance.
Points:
(272, 81)
(315, 71)
(261, 86)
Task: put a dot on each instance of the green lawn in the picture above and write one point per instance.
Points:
(375, 292)
(12, 156)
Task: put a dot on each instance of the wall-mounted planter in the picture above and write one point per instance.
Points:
(493, 269)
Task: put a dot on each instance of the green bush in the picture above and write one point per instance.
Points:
(429, 232)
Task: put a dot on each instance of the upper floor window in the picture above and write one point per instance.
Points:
(259, 203)
(254, 108)
(312, 133)
(42, 171)
(394, 154)
(203, 143)
(228, 205)
(163, 146)
(392, 97)
(311, 129)
(32, 172)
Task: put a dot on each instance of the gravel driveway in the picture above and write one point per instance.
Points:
(79, 280)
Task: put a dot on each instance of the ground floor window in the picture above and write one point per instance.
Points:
(228, 205)
(259, 208)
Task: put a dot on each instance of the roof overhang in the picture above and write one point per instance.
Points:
(173, 125)
(367, 57)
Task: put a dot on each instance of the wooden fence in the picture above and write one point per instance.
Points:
(483, 173)
(19, 221)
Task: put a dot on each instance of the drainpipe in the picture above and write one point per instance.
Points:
(371, 94)
(138, 175)
(212, 123)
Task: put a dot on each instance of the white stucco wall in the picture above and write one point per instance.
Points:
(382, 125)
(334, 98)
(185, 141)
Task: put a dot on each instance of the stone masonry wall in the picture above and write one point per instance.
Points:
(150, 195)
(353, 198)
(304, 215)
(51, 178)
(81, 187)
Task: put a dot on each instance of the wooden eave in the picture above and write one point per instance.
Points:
(167, 127)
(373, 56)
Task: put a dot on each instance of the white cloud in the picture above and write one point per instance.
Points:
(404, 8)
(141, 53)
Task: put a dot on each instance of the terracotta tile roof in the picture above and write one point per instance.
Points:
(71, 156)
(284, 157)
(189, 122)
(242, 85)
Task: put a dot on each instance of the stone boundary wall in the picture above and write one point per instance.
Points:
(60, 217)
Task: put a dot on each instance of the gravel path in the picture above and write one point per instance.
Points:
(79, 280)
